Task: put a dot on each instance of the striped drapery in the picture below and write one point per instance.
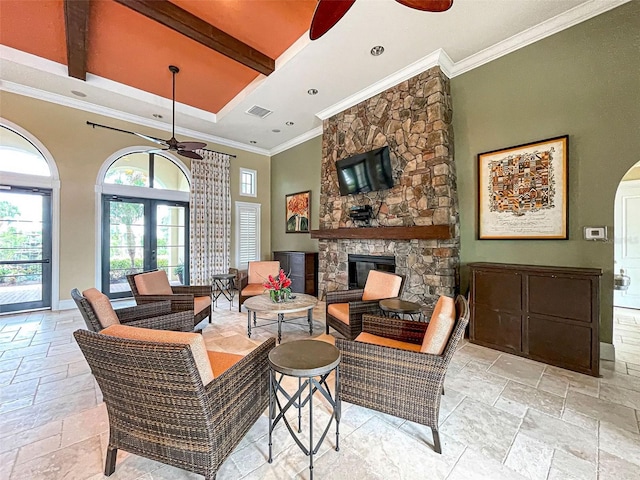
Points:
(210, 214)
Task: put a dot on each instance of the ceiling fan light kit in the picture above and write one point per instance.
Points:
(186, 149)
(329, 12)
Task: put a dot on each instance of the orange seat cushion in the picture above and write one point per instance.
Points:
(381, 285)
(101, 307)
(200, 303)
(253, 289)
(339, 311)
(195, 341)
(153, 283)
(258, 272)
(365, 337)
(222, 361)
(440, 326)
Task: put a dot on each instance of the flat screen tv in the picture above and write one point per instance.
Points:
(365, 172)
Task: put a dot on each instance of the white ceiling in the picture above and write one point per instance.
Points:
(338, 65)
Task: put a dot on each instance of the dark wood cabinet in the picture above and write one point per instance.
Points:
(549, 314)
(302, 268)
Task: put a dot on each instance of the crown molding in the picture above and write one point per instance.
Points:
(419, 66)
(545, 29)
(313, 133)
(78, 104)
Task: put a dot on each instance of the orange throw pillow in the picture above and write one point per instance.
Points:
(440, 326)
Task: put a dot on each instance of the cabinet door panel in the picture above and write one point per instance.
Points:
(563, 344)
(499, 290)
(561, 297)
(501, 329)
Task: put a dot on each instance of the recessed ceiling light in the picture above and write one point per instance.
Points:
(377, 50)
(312, 91)
(276, 130)
(253, 142)
(78, 93)
(289, 124)
(157, 115)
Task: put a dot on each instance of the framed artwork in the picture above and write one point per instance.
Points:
(297, 212)
(523, 191)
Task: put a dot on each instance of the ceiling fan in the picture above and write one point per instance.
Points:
(329, 12)
(186, 149)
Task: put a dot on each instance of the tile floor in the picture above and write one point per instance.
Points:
(502, 417)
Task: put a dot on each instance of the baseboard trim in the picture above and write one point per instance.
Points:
(607, 351)
(68, 304)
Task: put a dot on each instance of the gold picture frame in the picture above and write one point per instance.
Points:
(523, 191)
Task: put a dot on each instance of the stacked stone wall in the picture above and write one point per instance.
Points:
(414, 120)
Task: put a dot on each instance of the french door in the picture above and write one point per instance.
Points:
(140, 234)
(25, 248)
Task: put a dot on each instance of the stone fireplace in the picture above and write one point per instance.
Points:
(414, 119)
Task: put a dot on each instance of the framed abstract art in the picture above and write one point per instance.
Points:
(523, 191)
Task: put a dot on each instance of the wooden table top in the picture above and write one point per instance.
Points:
(398, 305)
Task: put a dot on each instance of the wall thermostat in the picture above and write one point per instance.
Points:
(595, 233)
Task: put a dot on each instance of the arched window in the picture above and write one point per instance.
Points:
(145, 218)
(29, 212)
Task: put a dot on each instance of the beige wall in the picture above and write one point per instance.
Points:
(583, 82)
(295, 170)
(79, 152)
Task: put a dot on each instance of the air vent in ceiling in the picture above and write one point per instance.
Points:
(257, 111)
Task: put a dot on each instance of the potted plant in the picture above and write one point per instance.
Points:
(179, 270)
(279, 287)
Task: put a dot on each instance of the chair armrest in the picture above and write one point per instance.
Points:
(143, 311)
(195, 290)
(396, 329)
(357, 309)
(243, 282)
(237, 398)
(345, 296)
(178, 322)
(394, 365)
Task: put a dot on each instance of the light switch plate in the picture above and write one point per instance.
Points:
(595, 233)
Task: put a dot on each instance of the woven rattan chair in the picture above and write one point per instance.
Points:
(157, 315)
(347, 317)
(183, 297)
(402, 383)
(160, 409)
(252, 284)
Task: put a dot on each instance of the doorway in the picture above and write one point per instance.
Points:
(140, 234)
(25, 248)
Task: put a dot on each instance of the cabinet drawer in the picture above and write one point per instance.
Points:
(562, 297)
(501, 329)
(562, 344)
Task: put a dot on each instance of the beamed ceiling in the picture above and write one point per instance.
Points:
(234, 54)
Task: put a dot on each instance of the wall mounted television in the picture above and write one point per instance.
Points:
(365, 172)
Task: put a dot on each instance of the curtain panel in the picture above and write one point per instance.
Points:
(210, 215)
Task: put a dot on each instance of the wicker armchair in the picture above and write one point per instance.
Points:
(160, 409)
(345, 308)
(156, 315)
(251, 284)
(182, 298)
(399, 382)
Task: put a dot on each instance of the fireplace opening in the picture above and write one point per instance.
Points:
(359, 266)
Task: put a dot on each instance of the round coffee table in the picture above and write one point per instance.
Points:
(394, 307)
(263, 304)
(306, 359)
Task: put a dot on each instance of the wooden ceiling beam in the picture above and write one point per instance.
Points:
(76, 20)
(180, 20)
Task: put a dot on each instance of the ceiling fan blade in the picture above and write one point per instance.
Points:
(428, 5)
(189, 154)
(327, 14)
(191, 145)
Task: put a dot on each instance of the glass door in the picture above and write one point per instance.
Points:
(25, 249)
(140, 235)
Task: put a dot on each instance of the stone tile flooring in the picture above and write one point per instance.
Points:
(502, 417)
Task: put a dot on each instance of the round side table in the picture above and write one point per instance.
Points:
(224, 284)
(395, 307)
(305, 359)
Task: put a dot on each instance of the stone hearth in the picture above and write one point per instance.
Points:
(414, 119)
